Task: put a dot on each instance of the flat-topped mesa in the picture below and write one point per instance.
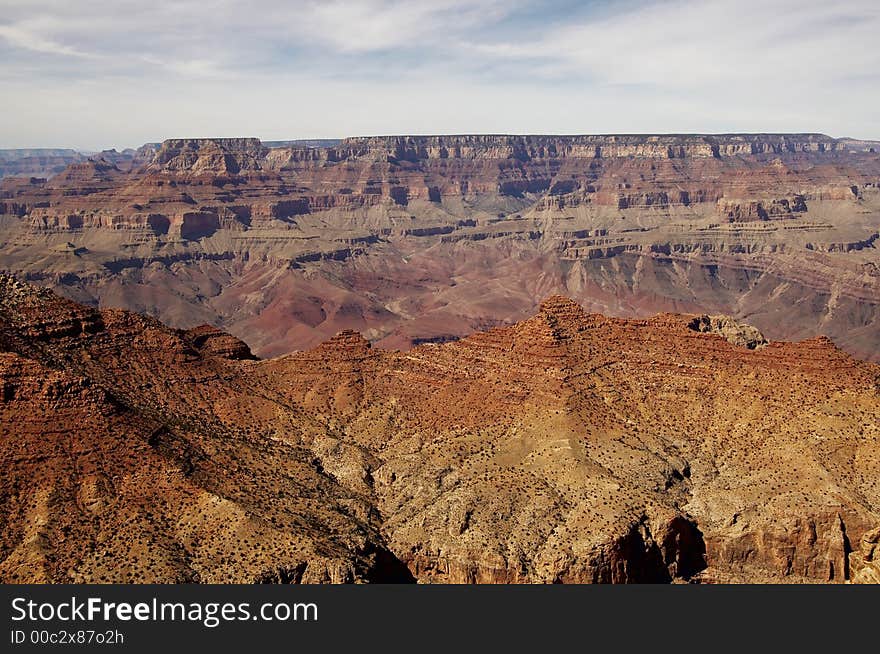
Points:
(498, 146)
(212, 155)
(232, 144)
(524, 147)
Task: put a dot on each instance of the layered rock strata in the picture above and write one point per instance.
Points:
(410, 239)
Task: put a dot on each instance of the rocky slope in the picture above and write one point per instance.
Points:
(409, 239)
(569, 447)
(127, 457)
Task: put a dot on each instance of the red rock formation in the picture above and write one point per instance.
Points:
(569, 447)
(128, 456)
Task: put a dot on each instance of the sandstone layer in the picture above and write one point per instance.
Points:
(569, 447)
(427, 238)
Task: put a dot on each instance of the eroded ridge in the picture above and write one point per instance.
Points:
(569, 447)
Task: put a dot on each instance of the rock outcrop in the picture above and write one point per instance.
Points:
(865, 560)
(210, 340)
(733, 332)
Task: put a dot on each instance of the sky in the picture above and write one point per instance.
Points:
(96, 74)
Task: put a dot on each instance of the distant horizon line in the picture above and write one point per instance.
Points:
(88, 151)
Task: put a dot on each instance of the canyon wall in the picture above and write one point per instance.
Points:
(411, 239)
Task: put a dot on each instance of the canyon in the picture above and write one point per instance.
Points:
(442, 359)
(568, 447)
(420, 239)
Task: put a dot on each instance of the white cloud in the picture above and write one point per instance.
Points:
(21, 36)
(376, 25)
(693, 42)
(97, 73)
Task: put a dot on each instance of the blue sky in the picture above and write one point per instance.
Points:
(113, 73)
